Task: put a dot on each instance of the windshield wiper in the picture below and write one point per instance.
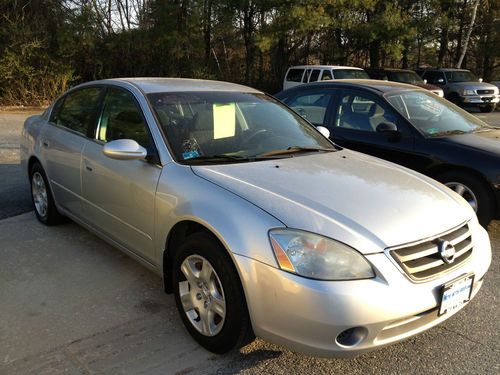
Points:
(450, 132)
(221, 158)
(294, 150)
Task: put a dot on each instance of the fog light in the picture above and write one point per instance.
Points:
(352, 336)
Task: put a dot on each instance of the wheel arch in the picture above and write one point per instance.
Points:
(177, 234)
(31, 161)
(436, 171)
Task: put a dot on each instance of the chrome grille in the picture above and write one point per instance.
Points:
(423, 261)
(484, 92)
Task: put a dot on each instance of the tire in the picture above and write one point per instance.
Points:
(41, 197)
(487, 108)
(219, 297)
(475, 189)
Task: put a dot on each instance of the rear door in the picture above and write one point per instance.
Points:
(63, 140)
(120, 194)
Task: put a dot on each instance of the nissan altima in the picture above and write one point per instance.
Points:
(257, 223)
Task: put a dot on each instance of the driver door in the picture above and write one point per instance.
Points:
(356, 117)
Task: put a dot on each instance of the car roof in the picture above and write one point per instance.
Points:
(324, 67)
(370, 84)
(444, 69)
(150, 85)
(388, 70)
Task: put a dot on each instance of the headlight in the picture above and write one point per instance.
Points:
(469, 92)
(314, 256)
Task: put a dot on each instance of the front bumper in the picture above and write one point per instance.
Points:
(308, 315)
(480, 99)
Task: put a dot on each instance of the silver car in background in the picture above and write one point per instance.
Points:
(257, 223)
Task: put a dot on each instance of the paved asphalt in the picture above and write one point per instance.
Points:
(71, 304)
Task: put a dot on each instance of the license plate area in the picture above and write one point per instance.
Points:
(455, 293)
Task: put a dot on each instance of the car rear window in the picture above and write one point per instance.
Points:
(295, 75)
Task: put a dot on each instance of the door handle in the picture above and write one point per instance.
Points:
(88, 167)
(45, 143)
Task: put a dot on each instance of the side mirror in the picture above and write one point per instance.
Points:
(323, 131)
(425, 81)
(480, 80)
(387, 127)
(124, 149)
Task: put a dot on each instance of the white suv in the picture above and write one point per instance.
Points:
(297, 75)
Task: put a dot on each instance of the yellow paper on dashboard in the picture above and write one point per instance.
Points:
(224, 120)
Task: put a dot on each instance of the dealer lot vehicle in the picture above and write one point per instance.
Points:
(463, 88)
(403, 76)
(410, 127)
(257, 223)
(298, 75)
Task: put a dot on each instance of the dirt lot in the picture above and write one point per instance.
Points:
(72, 304)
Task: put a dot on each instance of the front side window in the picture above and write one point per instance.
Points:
(432, 115)
(204, 125)
(295, 75)
(77, 110)
(327, 75)
(360, 112)
(311, 106)
(122, 119)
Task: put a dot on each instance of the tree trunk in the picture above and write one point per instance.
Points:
(467, 37)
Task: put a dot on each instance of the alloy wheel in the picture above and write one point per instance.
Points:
(464, 192)
(39, 192)
(202, 295)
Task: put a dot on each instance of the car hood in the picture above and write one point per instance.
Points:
(486, 141)
(363, 201)
(473, 85)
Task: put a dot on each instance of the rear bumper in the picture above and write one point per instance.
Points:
(310, 316)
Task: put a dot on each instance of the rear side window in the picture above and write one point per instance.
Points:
(295, 75)
(77, 110)
(314, 75)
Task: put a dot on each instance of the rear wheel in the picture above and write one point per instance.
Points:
(41, 196)
(474, 191)
(209, 295)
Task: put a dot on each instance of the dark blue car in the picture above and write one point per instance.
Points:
(412, 127)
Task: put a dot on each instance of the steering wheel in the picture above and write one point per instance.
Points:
(253, 137)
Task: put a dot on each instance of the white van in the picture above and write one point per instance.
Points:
(297, 75)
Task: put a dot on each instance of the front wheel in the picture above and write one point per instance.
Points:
(487, 108)
(209, 295)
(474, 191)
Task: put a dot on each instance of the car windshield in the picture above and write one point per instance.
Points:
(350, 73)
(460, 76)
(434, 116)
(405, 77)
(233, 127)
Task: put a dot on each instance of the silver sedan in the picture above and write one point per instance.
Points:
(257, 223)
